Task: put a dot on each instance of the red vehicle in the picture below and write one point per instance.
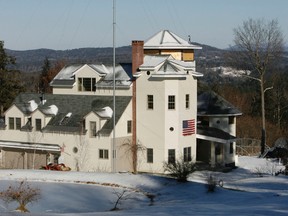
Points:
(57, 167)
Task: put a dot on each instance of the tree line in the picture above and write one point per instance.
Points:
(13, 82)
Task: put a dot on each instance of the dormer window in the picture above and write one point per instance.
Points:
(86, 84)
(14, 123)
(11, 123)
(93, 129)
(38, 124)
(18, 123)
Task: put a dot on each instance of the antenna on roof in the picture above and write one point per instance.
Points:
(189, 39)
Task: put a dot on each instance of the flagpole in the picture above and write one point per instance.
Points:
(114, 104)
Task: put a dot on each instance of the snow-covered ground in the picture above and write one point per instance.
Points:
(244, 192)
(228, 71)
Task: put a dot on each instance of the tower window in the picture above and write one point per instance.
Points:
(150, 104)
(187, 101)
(171, 102)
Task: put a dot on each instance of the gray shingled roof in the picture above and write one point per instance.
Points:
(78, 105)
(214, 133)
(209, 103)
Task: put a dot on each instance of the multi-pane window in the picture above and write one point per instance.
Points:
(187, 101)
(103, 154)
(86, 84)
(14, 123)
(149, 155)
(11, 123)
(171, 156)
(187, 154)
(171, 102)
(38, 124)
(150, 102)
(18, 123)
(93, 129)
(129, 126)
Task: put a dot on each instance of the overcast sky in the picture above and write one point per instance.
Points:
(68, 24)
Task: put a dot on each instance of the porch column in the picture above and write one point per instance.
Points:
(50, 158)
(212, 157)
(25, 160)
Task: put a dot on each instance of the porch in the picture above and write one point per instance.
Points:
(215, 147)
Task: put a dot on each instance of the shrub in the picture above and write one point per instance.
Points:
(180, 169)
(21, 193)
(212, 182)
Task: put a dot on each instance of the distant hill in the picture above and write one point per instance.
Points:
(32, 60)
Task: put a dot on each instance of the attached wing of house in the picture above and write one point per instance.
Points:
(216, 129)
(211, 106)
(70, 110)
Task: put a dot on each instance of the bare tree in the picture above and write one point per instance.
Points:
(80, 152)
(258, 45)
(121, 195)
(22, 193)
(133, 150)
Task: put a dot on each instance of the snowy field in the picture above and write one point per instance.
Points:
(244, 192)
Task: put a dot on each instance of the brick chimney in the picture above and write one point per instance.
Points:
(137, 55)
(137, 60)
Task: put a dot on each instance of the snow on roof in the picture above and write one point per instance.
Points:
(68, 71)
(168, 40)
(51, 110)
(167, 65)
(123, 74)
(32, 105)
(106, 112)
(120, 73)
(151, 61)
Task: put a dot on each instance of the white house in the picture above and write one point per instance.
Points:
(156, 115)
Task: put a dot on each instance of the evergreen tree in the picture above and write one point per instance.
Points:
(48, 73)
(5, 60)
(10, 80)
(43, 79)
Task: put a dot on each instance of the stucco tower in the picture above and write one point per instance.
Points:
(166, 101)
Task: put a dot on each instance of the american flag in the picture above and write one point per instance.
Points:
(188, 127)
